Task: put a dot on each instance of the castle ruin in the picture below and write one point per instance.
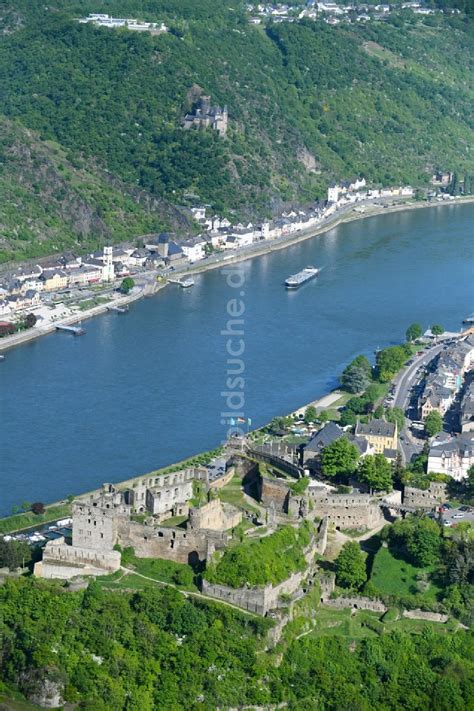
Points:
(207, 116)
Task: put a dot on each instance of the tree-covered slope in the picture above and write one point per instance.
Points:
(308, 103)
(52, 200)
(155, 649)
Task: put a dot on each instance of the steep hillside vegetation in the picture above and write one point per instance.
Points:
(307, 102)
(51, 201)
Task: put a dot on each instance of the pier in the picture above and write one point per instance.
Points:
(75, 330)
(184, 284)
(118, 309)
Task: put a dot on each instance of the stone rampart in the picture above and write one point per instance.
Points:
(282, 464)
(214, 516)
(61, 560)
(425, 498)
(258, 600)
(265, 598)
(322, 538)
(347, 510)
(276, 492)
(178, 544)
(356, 603)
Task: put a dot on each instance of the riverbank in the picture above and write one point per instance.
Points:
(345, 215)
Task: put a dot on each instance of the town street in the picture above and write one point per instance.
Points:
(403, 384)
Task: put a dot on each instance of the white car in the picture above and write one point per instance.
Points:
(448, 522)
(458, 515)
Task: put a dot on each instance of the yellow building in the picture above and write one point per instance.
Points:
(380, 434)
(54, 279)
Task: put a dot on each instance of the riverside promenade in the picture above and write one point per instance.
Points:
(150, 286)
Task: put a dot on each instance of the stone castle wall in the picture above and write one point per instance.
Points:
(347, 510)
(262, 599)
(61, 560)
(356, 603)
(276, 492)
(178, 544)
(214, 516)
(425, 498)
(258, 600)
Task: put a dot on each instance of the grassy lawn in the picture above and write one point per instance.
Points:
(174, 521)
(232, 494)
(165, 571)
(29, 519)
(124, 581)
(355, 626)
(396, 576)
(96, 301)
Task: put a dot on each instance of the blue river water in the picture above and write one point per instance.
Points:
(142, 390)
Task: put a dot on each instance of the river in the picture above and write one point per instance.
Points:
(142, 390)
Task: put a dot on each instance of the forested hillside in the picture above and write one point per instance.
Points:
(308, 103)
(154, 649)
(52, 200)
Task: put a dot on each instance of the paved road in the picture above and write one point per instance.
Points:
(403, 383)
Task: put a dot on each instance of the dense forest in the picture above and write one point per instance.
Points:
(155, 649)
(308, 103)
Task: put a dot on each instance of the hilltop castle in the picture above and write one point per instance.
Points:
(205, 116)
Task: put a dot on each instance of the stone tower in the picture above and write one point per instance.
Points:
(94, 522)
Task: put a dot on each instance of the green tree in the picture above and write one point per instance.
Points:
(310, 415)
(424, 542)
(433, 423)
(127, 285)
(350, 567)
(323, 416)
(355, 379)
(14, 554)
(454, 188)
(413, 332)
(376, 472)
(358, 405)
(357, 375)
(397, 416)
(379, 412)
(389, 361)
(339, 458)
(30, 320)
(347, 418)
(437, 330)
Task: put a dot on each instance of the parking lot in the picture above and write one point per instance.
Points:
(451, 516)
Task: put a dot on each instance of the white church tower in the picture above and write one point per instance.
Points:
(108, 268)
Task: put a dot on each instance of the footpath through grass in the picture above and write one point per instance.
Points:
(164, 571)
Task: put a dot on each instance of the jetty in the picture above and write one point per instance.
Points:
(118, 309)
(75, 330)
(184, 283)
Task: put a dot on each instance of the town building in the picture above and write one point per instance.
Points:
(467, 409)
(452, 455)
(382, 435)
